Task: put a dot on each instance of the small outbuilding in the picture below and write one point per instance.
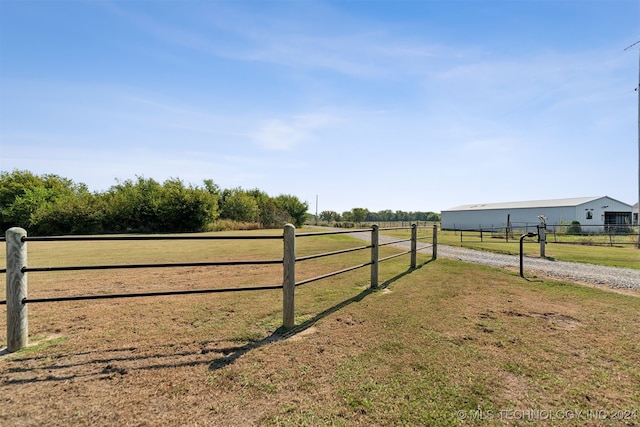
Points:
(596, 212)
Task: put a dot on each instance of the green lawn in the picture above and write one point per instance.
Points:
(626, 256)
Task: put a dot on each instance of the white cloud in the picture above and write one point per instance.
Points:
(279, 134)
(351, 47)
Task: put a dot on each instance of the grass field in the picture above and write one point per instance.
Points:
(625, 256)
(446, 344)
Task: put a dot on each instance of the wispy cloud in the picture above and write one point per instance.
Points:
(539, 80)
(123, 116)
(285, 134)
(365, 49)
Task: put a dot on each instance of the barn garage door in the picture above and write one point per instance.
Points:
(617, 222)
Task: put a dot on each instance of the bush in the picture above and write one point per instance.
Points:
(230, 225)
(147, 206)
(574, 228)
(296, 209)
(239, 205)
(49, 204)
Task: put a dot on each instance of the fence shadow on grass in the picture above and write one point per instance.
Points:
(534, 280)
(100, 364)
(283, 334)
(112, 363)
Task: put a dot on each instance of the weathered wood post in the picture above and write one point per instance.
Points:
(374, 256)
(435, 242)
(414, 244)
(289, 276)
(17, 314)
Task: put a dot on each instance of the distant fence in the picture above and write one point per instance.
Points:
(381, 224)
(17, 269)
(597, 235)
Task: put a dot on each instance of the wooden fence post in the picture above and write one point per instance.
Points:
(17, 313)
(542, 239)
(435, 242)
(289, 276)
(414, 244)
(374, 256)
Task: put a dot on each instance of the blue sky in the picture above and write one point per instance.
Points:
(401, 105)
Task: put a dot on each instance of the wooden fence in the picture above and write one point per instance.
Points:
(17, 268)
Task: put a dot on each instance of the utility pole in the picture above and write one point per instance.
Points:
(638, 90)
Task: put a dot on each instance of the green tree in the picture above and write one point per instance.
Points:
(296, 209)
(148, 206)
(329, 216)
(182, 208)
(238, 205)
(270, 214)
(212, 187)
(50, 204)
(35, 203)
(15, 184)
(70, 214)
(359, 214)
(133, 206)
(26, 208)
(432, 216)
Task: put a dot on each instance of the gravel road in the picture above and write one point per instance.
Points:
(617, 278)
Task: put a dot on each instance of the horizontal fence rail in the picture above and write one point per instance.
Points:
(16, 271)
(576, 234)
(159, 265)
(149, 294)
(142, 238)
(342, 251)
(333, 273)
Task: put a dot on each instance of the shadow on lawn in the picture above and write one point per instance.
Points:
(99, 364)
(282, 334)
(112, 363)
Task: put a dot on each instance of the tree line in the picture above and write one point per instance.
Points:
(53, 205)
(361, 215)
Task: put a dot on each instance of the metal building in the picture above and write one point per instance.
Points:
(588, 211)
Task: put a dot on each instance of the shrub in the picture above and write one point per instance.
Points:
(574, 228)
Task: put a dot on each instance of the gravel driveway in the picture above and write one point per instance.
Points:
(617, 278)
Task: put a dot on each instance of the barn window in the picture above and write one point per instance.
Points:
(589, 215)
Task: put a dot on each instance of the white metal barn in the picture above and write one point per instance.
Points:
(594, 211)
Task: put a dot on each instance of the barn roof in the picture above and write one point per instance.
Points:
(528, 204)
